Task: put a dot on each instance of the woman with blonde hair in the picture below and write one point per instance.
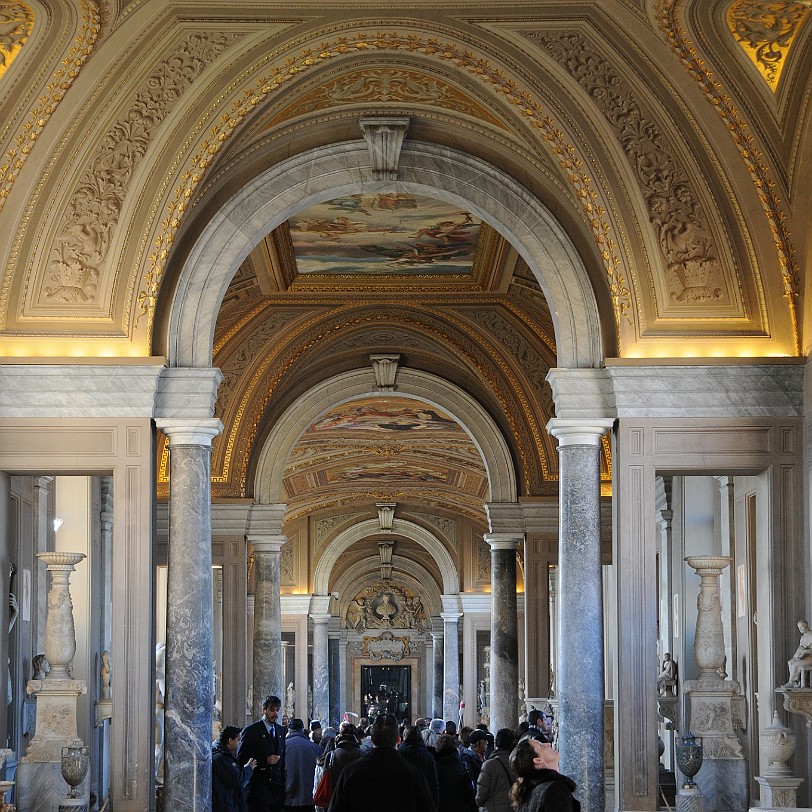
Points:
(539, 786)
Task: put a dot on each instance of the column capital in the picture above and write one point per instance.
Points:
(579, 431)
(503, 541)
(320, 618)
(320, 606)
(266, 520)
(190, 431)
(505, 517)
(450, 617)
(267, 544)
(186, 391)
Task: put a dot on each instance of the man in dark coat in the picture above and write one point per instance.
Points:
(382, 779)
(300, 768)
(264, 740)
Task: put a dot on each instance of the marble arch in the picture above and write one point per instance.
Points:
(410, 383)
(428, 541)
(342, 169)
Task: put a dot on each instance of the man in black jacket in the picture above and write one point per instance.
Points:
(264, 740)
(382, 779)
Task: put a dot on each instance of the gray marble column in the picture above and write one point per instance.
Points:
(504, 694)
(188, 706)
(265, 535)
(321, 658)
(451, 665)
(267, 644)
(437, 667)
(334, 644)
(580, 607)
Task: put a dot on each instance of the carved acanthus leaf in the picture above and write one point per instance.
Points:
(674, 210)
(83, 241)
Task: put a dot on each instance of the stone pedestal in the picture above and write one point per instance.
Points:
(717, 707)
(40, 786)
(690, 800)
(779, 792)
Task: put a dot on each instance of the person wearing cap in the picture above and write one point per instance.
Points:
(474, 754)
(436, 727)
(264, 740)
(496, 777)
(315, 731)
(300, 768)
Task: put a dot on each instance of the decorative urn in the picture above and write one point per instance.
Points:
(689, 758)
(777, 744)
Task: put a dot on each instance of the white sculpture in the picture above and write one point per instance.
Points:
(800, 665)
(160, 696)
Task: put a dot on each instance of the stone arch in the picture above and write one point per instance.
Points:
(428, 541)
(410, 383)
(343, 169)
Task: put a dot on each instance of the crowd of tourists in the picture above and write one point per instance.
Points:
(429, 766)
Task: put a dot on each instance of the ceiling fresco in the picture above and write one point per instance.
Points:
(384, 443)
(384, 234)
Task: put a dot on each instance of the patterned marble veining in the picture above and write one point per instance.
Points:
(321, 674)
(451, 672)
(267, 621)
(580, 625)
(504, 675)
(188, 704)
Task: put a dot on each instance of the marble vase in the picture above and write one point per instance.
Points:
(40, 785)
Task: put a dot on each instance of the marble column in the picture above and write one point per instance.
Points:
(189, 672)
(580, 679)
(437, 667)
(334, 633)
(504, 677)
(451, 665)
(321, 660)
(267, 644)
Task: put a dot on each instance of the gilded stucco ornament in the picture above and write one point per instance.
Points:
(668, 17)
(553, 139)
(765, 32)
(29, 131)
(16, 23)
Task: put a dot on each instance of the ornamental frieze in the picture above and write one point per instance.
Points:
(765, 32)
(386, 85)
(691, 258)
(386, 647)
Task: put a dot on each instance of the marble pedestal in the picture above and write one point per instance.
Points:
(779, 792)
(40, 786)
(717, 711)
(691, 800)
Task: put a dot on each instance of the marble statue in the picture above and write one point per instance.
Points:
(802, 659)
(40, 666)
(105, 674)
(667, 678)
(290, 700)
(386, 610)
